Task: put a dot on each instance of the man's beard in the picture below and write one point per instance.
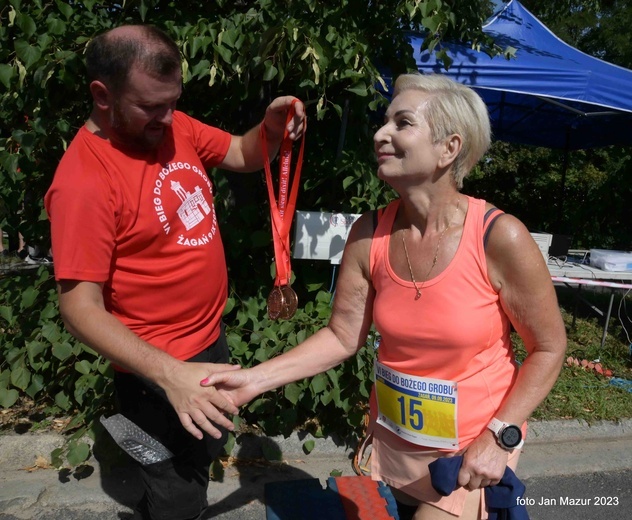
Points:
(132, 138)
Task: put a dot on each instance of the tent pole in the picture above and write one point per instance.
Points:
(560, 207)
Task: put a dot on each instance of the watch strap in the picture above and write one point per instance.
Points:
(496, 425)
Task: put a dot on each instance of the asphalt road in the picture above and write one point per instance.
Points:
(593, 496)
(600, 496)
(571, 471)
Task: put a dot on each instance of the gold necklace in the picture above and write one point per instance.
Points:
(436, 254)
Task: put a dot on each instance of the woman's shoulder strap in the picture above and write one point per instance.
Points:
(377, 214)
(490, 218)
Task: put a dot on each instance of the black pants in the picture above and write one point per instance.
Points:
(174, 489)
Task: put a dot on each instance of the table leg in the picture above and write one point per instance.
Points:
(605, 325)
(578, 297)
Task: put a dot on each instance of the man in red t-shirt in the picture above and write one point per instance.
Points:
(138, 256)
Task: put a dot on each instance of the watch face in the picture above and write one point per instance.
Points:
(511, 436)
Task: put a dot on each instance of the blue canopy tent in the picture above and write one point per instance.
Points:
(550, 95)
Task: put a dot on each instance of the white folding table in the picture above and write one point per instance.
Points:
(576, 275)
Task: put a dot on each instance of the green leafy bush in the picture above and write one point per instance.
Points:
(318, 400)
(41, 360)
(237, 56)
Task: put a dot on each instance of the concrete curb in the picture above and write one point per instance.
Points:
(577, 429)
(251, 446)
(20, 451)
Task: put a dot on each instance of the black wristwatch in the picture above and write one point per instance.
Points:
(509, 436)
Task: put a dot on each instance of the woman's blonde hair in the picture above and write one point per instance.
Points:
(452, 108)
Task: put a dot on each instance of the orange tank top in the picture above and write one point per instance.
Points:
(456, 331)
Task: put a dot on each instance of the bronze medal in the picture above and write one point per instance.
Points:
(290, 302)
(276, 302)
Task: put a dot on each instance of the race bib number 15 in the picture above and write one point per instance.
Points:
(418, 409)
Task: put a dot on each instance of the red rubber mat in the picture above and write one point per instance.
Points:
(364, 499)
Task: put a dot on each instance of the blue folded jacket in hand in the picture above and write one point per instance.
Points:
(502, 499)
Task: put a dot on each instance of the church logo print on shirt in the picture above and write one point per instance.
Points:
(194, 207)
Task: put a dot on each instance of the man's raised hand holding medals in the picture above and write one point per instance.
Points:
(282, 301)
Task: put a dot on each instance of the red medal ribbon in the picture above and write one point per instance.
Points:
(282, 213)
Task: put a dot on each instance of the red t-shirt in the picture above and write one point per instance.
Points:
(144, 225)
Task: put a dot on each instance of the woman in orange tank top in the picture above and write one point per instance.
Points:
(443, 288)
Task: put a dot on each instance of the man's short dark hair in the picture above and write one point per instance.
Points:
(110, 57)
